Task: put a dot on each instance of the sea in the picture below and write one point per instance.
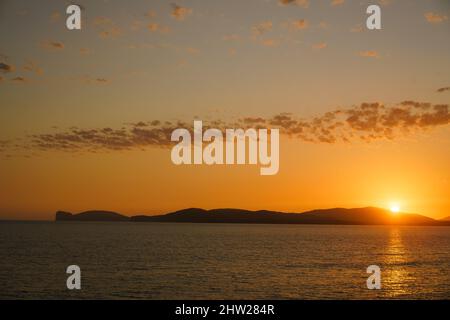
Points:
(126, 260)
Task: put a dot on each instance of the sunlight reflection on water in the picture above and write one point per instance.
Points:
(222, 261)
(396, 276)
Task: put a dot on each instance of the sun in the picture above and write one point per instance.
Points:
(395, 208)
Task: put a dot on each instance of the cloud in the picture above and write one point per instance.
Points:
(262, 27)
(19, 80)
(269, 43)
(435, 17)
(253, 120)
(31, 66)
(138, 135)
(6, 68)
(337, 2)
(4, 145)
(179, 12)
(299, 24)
(369, 54)
(384, 2)
(107, 28)
(114, 32)
(94, 80)
(300, 3)
(440, 90)
(155, 27)
(85, 51)
(366, 122)
(101, 21)
(319, 46)
(53, 45)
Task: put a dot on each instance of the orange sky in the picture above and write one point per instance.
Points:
(213, 62)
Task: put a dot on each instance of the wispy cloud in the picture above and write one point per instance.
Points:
(435, 18)
(262, 28)
(299, 24)
(440, 90)
(136, 135)
(19, 80)
(179, 12)
(269, 43)
(337, 2)
(364, 123)
(321, 45)
(384, 2)
(4, 146)
(107, 28)
(300, 3)
(114, 32)
(31, 66)
(369, 54)
(85, 51)
(52, 45)
(6, 68)
(94, 80)
(156, 27)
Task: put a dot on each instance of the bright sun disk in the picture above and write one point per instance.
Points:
(395, 208)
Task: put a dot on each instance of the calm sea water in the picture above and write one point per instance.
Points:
(222, 261)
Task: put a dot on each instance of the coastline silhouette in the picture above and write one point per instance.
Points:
(334, 216)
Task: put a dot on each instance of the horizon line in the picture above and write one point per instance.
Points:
(5, 219)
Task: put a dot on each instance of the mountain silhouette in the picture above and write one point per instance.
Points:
(93, 215)
(355, 216)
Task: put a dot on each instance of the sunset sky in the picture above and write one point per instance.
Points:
(84, 115)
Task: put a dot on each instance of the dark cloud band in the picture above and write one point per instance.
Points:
(365, 122)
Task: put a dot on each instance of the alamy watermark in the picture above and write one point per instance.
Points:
(228, 148)
(374, 280)
(74, 280)
(73, 20)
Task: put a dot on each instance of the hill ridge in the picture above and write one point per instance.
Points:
(334, 216)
